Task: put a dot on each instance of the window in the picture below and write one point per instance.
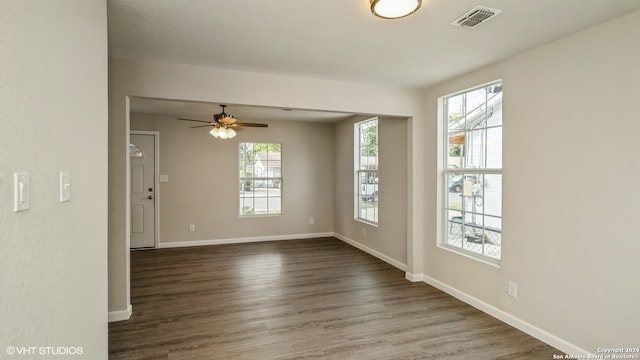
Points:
(366, 161)
(135, 151)
(472, 175)
(260, 179)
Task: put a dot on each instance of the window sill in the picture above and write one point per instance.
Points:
(258, 216)
(366, 222)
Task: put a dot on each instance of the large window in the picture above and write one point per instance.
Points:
(472, 175)
(366, 161)
(260, 179)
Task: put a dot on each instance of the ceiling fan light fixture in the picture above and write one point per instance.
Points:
(394, 9)
(222, 125)
(227, 119)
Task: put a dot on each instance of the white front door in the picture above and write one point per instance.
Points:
(143, 203)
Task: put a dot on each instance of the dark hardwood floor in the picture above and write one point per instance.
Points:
(300, 299)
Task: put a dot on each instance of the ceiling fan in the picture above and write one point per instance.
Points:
(223, 124)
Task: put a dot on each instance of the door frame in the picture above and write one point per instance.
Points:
(156, 185)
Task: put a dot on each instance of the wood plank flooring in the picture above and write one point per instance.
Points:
(299, 299)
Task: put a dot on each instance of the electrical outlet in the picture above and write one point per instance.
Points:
(512, 289)
(364, 231)
(192, 227)
(312, 221)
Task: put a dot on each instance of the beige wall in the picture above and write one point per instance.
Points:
(570, 205)
(390, 236)
(53, 111)
(312, 167)
(183, 82)
(203, 180)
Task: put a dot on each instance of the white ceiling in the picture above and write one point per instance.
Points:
(341, 39)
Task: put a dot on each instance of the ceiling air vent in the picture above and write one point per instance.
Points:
(476, 16)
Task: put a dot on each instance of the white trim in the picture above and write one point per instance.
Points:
(120, 315)
(372, 252)
(176, 244)
(413, 277)
(505, 317)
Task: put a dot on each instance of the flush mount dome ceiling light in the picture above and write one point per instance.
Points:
(394, 9)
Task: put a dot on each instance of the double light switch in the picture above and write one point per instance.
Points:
(22, 190)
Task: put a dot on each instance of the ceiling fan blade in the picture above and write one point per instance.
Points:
(199, 126)
(249, 125)
(202, 121)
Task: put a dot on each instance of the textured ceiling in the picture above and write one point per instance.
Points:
(341, 39)
(336, 40)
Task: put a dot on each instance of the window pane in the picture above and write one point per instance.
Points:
(473, 194)
(455, 113)
(454, 228)
(493, 237)
(274, 204)
(494, 148)
(368, 195)
(455, 153)
(494, 105)
(260, 203)
(455, 183)
(135, 151)
(493, 194)
(475, 147)
(476, 109)
(246, 206)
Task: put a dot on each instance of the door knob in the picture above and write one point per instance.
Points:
(150, 197)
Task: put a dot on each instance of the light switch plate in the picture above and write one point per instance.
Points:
(21, 191)
(164, 178)
(65, 186)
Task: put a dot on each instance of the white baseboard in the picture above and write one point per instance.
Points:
(120, 315)
(503, 316)
(370, 251)
(413, 277)
(242, 240)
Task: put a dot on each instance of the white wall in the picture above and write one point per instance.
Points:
(389, 238)
(53, 112)
(203, 180)
(183, 82)
(570, 205)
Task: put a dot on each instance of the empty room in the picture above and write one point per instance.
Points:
(330, 179)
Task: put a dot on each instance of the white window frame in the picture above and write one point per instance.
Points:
(446, 173)
(366, 193)
(268, 179)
